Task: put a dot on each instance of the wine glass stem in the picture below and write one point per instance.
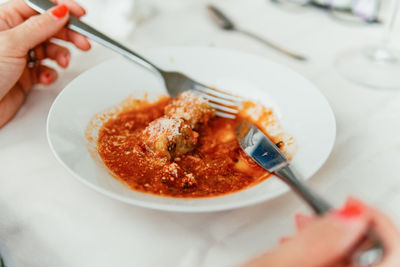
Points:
(382, 53)
(390, 24)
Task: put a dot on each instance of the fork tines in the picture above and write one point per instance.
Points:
(226, 104)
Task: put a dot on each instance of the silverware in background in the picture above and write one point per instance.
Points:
(225, 23)
(266, 154)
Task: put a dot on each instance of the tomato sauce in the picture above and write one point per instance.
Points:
(218, 164)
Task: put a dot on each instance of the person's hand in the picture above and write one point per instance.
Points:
(327, 241)
(22, 29)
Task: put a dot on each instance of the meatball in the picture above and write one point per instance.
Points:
(169, 137)
(190, 107)
(176, 176)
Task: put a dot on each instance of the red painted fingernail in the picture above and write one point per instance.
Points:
(47, 76)
(352, 209)
(60, 11)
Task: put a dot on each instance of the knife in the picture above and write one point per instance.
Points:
(266, 154)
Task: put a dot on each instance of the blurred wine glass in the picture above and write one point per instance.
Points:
(118, 19)
(356, 12)
(376, 66)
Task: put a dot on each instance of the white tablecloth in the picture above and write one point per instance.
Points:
(47, 218)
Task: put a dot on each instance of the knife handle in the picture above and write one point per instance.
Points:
(368, 252)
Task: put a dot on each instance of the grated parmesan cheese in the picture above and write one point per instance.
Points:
(190, 107)
(169, 127)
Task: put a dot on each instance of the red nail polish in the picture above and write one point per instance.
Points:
(352, 209)
(60, 11)
(47, 76)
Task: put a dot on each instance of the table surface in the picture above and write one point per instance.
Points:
(48, 218)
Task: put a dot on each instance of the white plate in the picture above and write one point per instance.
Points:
(302, 110)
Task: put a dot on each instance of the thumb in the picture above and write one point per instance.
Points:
(331, 238)
(38, 29)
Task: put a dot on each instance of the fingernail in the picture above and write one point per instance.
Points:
(47, 77)
(59, 11)
(351, 210)
(301, 220)
(65, 60)
(283, 239)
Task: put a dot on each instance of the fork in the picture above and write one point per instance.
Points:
(227, 24)
(265, 153)
(226, 104)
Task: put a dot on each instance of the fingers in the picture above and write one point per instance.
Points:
(302, 220)
(324, 241)
(25, 11)
(40, 53)
(55, 52)
(21, 8)
(36, 30)
(46, 75)
(13, 100)
(389, 235)
(385, 228)
(74, 7)
(329, 239)
(284, 239)
(78, 40)
(58, 53)
(382, 226)
(41, 74)
(27, 80)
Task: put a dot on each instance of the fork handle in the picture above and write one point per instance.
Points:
(315, 201)
(272, 45)
(368, 252)
(80, 27)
